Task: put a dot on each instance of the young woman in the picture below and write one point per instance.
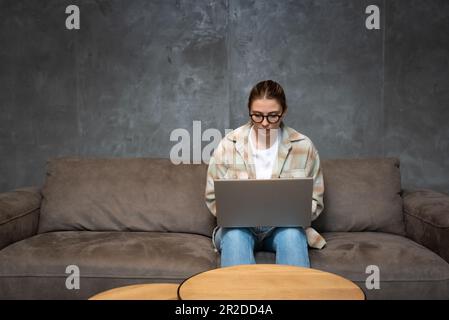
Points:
(265, 148)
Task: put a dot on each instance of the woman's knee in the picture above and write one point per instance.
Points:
(291, 234)
(237, 235)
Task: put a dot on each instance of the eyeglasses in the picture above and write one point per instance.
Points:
(271, 118)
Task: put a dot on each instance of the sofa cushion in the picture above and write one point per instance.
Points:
(407, 270)
(124, 194)
(362, 195)
(35, 268)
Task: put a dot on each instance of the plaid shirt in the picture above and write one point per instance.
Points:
(297, 157)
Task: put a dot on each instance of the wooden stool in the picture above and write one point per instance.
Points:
(268, 282)
(153, 291)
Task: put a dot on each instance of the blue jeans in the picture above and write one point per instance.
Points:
(237, 245)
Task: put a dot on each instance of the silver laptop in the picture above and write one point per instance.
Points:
(260, 202)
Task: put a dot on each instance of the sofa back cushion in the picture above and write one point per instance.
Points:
(124, 194)
(362, 195)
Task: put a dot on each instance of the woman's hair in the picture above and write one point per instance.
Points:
(268, 89)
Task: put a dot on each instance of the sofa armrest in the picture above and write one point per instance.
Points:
(19, 214)
(426, 214)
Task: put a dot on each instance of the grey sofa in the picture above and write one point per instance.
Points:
(124, 221)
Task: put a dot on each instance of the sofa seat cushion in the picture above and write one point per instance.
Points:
(35, 267)
(407, 270)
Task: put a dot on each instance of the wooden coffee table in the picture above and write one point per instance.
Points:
(151, 291)
(268, 282)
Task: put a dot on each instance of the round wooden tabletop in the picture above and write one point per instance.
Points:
(151, 291)
(268, 282)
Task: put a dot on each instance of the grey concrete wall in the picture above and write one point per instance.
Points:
(138, 69)
(417, 91)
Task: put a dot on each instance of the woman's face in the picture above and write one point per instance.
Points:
(266, 107)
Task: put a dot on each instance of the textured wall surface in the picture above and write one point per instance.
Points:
(138, 69)
(417, 91)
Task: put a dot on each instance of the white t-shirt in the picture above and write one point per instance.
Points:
(264, 159)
